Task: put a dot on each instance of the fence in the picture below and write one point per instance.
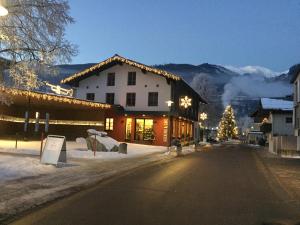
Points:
(284, 145)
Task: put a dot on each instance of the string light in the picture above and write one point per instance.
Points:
(227, 126)
(51, 97)
(120, 59)
(52, 122)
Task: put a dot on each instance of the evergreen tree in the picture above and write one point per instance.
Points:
(227, 125)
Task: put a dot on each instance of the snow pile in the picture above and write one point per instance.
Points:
(14, 167)
(95, 132)
(79, 150)
(108, 142)
(276, 104)
(133, 150)
(102, 137)
(81, 140)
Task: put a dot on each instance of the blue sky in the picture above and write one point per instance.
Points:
(226, 32)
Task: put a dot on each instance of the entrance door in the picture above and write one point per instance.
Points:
(144, 130)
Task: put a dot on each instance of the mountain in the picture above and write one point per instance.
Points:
(219, 74)
(240, 87)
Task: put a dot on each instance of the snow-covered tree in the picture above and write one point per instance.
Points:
(227, 126)
(32, 38)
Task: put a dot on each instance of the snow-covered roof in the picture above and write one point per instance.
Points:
(276, 104)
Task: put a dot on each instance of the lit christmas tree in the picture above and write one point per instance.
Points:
(227, 125)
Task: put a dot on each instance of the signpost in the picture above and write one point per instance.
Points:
(54, 150)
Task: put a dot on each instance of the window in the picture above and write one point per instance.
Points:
(131, 78)
(153, 99)
(111, 79)
(288, 119)
(128, 129)
(110, 98)
(90, 96)
(109, 124)
(144, 130)
(130, 99)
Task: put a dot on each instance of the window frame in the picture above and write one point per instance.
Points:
(90, 93)
(130, 79)
(109, 124)
(106, 98)
(127, 99)
(111, 82)
(152, 102)
(288, 120)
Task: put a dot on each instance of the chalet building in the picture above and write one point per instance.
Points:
(30, 113)
(275, 119)
(143, 92)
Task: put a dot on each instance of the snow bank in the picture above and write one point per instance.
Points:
(13, 167)
(79, 150)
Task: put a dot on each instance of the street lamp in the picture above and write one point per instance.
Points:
(203, 117)
(3, 11)
(169, 104)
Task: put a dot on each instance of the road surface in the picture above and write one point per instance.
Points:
(219, 186)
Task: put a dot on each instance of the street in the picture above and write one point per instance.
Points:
(218, 186)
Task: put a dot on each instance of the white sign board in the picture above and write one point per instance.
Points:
(54, 150)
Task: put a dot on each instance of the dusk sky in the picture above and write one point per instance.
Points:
(225, 32)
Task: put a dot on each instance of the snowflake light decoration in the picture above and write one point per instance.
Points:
(203, 116)
(185, 102)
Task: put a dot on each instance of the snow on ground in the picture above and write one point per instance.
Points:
(79, 150)
(13, 167)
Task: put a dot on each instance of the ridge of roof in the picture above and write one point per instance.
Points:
(121, 59)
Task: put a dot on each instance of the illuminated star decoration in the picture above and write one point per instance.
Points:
(185, 102)
(203, 116)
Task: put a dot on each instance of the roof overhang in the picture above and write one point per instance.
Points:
(19, 96)
(112, 61)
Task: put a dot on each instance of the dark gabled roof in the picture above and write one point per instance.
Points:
(114, 60)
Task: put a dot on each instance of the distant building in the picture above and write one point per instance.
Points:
(143, 92)
(296, 110)
(275, 119)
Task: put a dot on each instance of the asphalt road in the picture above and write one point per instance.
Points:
(219, 186)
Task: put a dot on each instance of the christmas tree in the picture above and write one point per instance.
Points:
(227, 125)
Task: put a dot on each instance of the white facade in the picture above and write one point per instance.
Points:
(281, 123)
(296, 109)
(145, 83)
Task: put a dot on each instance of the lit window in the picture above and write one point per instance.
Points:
(109, 124)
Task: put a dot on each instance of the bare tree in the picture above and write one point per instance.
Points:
(32, 38)
(204, 85)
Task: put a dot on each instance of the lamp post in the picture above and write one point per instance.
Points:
(169, 104)
(203, 117)
(3, 11)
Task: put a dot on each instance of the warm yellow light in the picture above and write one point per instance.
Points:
(185, 102)
(169, 103)
(51, 97)
(51, 122)
(203, 116)
(3, 11)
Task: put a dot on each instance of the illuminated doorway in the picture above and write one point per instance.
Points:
(144, 130)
